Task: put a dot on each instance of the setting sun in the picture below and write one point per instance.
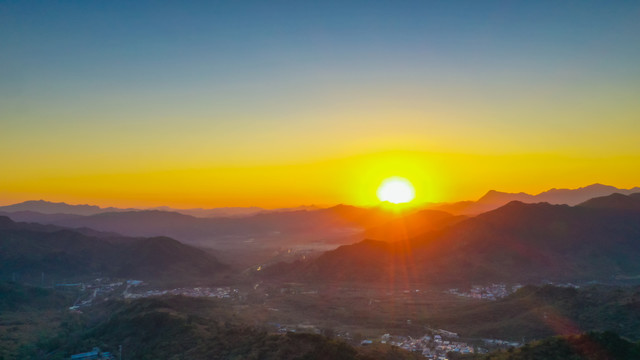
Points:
(396, 190)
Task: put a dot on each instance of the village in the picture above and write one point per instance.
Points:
(105, 288)
(218, 292)
(435, 344)
(438, 343)
(488, 292)
(432, 347)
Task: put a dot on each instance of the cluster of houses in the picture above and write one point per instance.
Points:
(431, 347)
(219, 292)
(104, 287)
(501, 343)
(100, 287)
(489, 292)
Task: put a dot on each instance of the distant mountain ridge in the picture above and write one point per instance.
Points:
(48, 207)
(494, 199)
(336, 222)
(58, 208)
(491, 200)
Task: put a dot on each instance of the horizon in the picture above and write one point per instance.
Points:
(383, 204)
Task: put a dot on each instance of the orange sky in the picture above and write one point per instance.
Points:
(353, 180)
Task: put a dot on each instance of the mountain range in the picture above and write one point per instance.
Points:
(491, 200)
(274, 229)
(207, 226)
(518, 242)
(596, 240)
(260, 238)
(56, 208)
(494, 199)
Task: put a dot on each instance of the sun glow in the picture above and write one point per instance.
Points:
(396, 190)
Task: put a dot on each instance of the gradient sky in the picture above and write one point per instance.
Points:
(282, 103)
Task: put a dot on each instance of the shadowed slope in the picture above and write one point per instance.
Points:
(30, 250)
(515, 243)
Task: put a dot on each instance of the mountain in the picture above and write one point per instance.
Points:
(248, 240)
(494, 199)
(163, 257)
(37, 217)
(47, 207)
(215, 212)
(273, 229)
(62, 209)
(516, 243)
(576, 196)
(614, 201)
(229, 211)
(412, 225)
(30, 250)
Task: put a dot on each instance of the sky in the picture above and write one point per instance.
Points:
(285, 103)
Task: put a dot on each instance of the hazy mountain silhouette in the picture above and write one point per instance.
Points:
(494, 199)
(32, 249)
(491, 200)
(614, 201)
(248, 240)
(37, 217)
(516, 243)
(61, 208)
(215, 212)
(576, 196)
(337, 222)
(47, 207)
(229, 211)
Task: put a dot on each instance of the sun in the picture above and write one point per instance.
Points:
(396, 190)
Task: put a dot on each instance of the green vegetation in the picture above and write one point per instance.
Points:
(590, 346)
(28, 315)
(31, 252)
(17, 297)
(538, 312)
(179, 327)
(189, 328)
